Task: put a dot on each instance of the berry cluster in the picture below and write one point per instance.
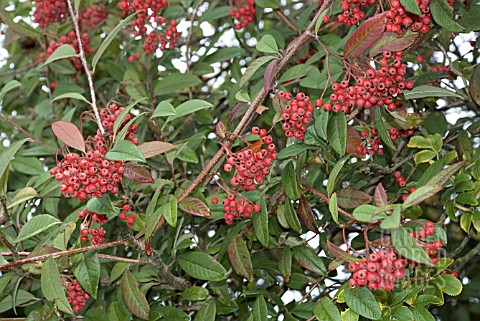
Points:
(379, 270)
(443, 69)
(93, 16)
(296, 113)
(377, 88)
(108, 117)
(253, 163)
(352, 13)
(399, 20)
(76, 296)
(131, 59)
(243, 12)
(237, 206)
(148, 14)
(371, 145)
(124, 216)
(432, 248)
(71, 39)
(88, 176)
(48, 11)
(402, 183)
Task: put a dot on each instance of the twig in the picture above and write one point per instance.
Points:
(10, 246)
(295, 45)
(19, 71)
(156, 261)
(120, 259)
(36, 140)
(464, 259)
(326, 199)
(62, 253)
(81, 53)
(286, 20)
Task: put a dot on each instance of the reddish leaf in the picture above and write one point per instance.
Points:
(341, 254)
(155, 148)
(194, 206)
(384, 241)
(240, 258)
(69, 134)
(269, 75)
(234, 112)
(391, 41)
(138, 173)
(221, 130)
(135, 299)
(306, 215)
(352, 198)
(353, 140)
(334, 265)
(365, 36)
(381, 198)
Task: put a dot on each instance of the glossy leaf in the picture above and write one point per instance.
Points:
(337, 132)
(137, 173)
(134, 298)
(424, 91)
(408, 247)
(194, 206)
(411, 6)
(352, 198)
(76, 96)
(393, 220)
(341, 254)
(260, 224)
(393, 42)
(189, 107)
(333, 207)
(253, 67)
(207, 312)
(240, 258)
(285, 263)
(449, 284)
(474, 86)
(150, 149)
(267, 44)
(12, 84)
(25, 194)
(421, 194)
(36, 225)
(86, 269)
(202, 266)
(362, 301)
(326, 310)
(306, 214)
(365, 36)
(332, 178)
(307, 258)
(289, 182)
(442, 14)
(69, 134)
(125, 151)
(102, 205)
(164, 109)
(382, 132)
(52, 286)
(260, 311)
(62, 52)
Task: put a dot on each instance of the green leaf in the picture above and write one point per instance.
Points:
(102, 205)
(293, 150)
(411, 6)
(170, 212)
(289, 182)
(326, 310)
(362, 301)
(207, 312)
(20, 27)
(393, 220)
(240, 258)
(121, 117)
(215, 13)
(268, 3)
(291, 216)
(135, 300)
(175, 82)
(401, 313)
(333, 207)
(337, 132)
(285, 263)
(152, 216)
(25, 194)
(429, 91)
(349, 315)
(242, 96)
(125, 151)
(36, 225)
(421, 194)
(260, 223)
(307, 258)
(108, 39)
(76, 96)
(12, 84)
(167, 313)
(189, 107)
(267, 44)
(448, 284)
(224, 54)
(424, 156)
(202, 266)
(332, 178)
(260, 311)
(408, 247)
(442, 14)
(382, 132)
(164, 109)
(367, 213)
(253, 67)
(421, 314)
(52, 286)
(321, 124)
(62, 52)
(195, 293)
(9, 154)
(86, 269)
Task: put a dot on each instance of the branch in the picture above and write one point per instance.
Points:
(465, 259)
(81, 53)
(294, 46)
(156, 261)
(61, 253)
(10, 246)
(36, 140)
(326, 199)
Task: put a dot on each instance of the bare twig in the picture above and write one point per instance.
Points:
(120, 259)
(62, 253)
(81, 53)
(10, 246)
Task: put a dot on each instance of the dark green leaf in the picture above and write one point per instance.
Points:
(326, 310)
(125, 151)
(202, 266)
(362, 301)
(52, 286)
(337, 132)
(134, 298)
(86, 269)
(408, 247)
(289, 182)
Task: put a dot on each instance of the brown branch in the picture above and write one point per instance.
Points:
(81, 53)
(294, 46)
(62, 253)
(286, 20)
(120, 259)
(36, 140)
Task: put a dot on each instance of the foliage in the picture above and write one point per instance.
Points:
(239, 160)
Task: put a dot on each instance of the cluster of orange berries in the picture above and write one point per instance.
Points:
(76, 295)
(92, 16)
(400, 20)
(48, 11)
(297, 113)
(235, 207)
(126, 217)
(402, 183)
